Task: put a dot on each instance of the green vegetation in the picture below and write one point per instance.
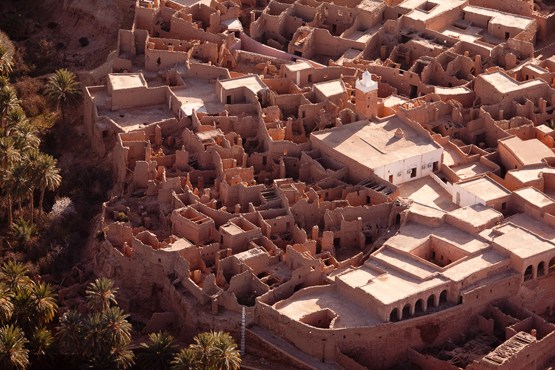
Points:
(62, 91)
(100, 339)
(26, 309)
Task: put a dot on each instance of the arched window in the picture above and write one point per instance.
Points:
(418, 308)
(406, 312)
(443, 297)
(528, 274)
(431, 301)
(394, 315)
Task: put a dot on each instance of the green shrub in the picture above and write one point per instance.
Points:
(122, 217)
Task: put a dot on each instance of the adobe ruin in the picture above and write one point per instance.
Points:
(370, 181)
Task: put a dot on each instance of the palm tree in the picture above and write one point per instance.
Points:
(185, 360)
(117, 357)
(48, 177)
(63, 91)
(16, 116)
(204, 350)
(6, 305)
(30, 161)
(42, 349)
(45, 305)
(23, 310)
(25, 136)
(69, 332)
(14, 276)
(159, 353)
(226, 356)
(116, 327)
(101, 294)
(4, 81)
(6, 61)
(121, 356)
(13, 354)
(22, 231)
(8, 101)
(18, 183)
(93, 343)
(9, 155)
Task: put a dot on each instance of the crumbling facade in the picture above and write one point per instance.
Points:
(370, 180)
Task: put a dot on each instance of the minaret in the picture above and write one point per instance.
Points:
(366, 96)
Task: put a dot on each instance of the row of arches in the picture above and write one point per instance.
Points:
(419, 307)
(543, 268)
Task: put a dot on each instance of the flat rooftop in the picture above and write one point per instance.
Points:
(499, 81)
(501, 18)
(472, 169)
(331, 88)
(120, 81)
(424, 10)
(397, 286)
(527, 174)
(373, 144)
(199, 95)
(253, 83)
(527, 152)
(135, 118)
(413, 235)
(535, 197)
(428, 192)
(350, 313)
(231, 229)
(411, 265)
(179, 245)
(521, 242)
(477, 215)
(537, 227)
(474, 264)
(299, 66)
(484, 188)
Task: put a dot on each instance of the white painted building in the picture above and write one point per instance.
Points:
(390, 148)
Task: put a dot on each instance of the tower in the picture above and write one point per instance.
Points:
(366, 96)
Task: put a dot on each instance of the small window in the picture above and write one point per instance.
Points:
(504, 205)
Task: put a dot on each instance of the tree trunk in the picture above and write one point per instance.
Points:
(32, 206)
(40, 205)
(63, 114)
(20, 208)
(10, 215)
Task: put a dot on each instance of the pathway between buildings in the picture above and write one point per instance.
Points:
(292, 350)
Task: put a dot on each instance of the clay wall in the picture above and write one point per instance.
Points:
(183, 30)
(144, 19)
(429, 362)
(519, 7)
(385, 341)
(323, 43)
(138, 97)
